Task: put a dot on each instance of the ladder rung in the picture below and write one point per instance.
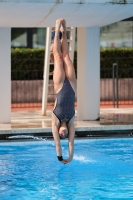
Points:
(53, 63)
(51, 94)
(50, 104)
(50, 73)
(69, 40)
(69, 29)
(51, 84)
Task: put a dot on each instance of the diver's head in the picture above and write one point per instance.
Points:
(63, 130)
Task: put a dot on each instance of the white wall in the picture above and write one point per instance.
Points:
(88, 70)
(5, 75)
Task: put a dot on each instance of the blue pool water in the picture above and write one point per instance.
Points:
(101, 169)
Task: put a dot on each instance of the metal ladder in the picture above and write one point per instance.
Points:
(47, 63)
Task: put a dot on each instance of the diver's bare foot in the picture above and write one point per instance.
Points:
(57, 26)
(63, 25)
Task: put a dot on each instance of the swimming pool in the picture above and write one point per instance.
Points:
(101, 169)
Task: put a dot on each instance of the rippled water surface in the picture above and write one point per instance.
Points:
(101, 169)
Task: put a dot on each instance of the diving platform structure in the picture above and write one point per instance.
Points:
(88, 16)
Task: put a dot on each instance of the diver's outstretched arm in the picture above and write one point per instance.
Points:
(57, 142)
(71, 141)
(70, 144)
(71, 130)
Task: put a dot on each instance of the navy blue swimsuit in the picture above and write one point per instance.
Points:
(64, 109)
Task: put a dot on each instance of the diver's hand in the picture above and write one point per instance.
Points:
(60, 158)
(63, 161)
(66, 161)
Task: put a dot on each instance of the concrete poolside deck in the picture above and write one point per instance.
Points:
(31, 122)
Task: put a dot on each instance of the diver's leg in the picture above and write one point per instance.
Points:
(68, 65)
(59, 73)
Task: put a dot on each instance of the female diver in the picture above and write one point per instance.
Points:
(64, 85)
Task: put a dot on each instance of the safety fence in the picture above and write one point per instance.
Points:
(116, 86)
(116, 83)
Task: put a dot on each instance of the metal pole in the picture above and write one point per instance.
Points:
(113, 75)
(46, 71)
(117, 95)
(113, 82)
